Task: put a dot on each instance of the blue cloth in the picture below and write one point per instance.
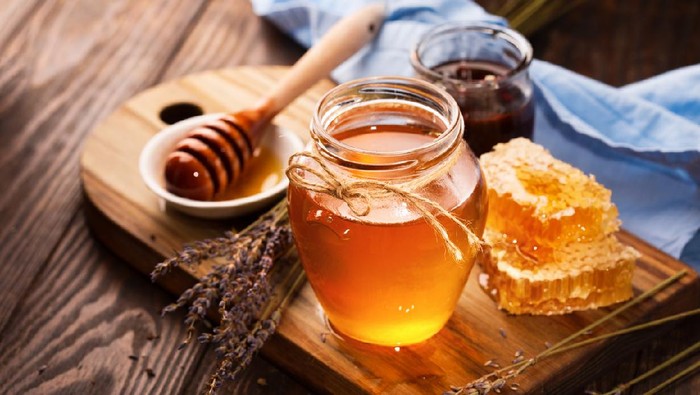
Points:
(642, 141)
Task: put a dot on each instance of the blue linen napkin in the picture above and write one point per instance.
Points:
(642, 141)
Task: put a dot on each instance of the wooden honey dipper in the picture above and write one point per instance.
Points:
(212, 156)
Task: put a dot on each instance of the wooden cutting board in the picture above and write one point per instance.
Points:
(130, 220)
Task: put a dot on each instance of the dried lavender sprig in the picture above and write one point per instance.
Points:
(251, 298)
(622, 387)
(199, 251)
(486, 383)
(675, 377)
(630, 329)
(240, 288)
(243, 350)
(519, 367)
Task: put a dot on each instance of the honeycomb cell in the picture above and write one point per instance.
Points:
(550, 229)
(541, 203)
(578, 276)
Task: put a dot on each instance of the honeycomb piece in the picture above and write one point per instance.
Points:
(541, 203)
(578, 276)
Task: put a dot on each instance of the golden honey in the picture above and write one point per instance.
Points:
(264, 172)
(551, 231)
(390, 281)
(541, 204)
(386, 277)
(578, 276)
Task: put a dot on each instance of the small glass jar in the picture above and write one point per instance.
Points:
(485, 68)
(383, 151)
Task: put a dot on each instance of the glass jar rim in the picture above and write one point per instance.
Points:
(452, 129)
(513, 37)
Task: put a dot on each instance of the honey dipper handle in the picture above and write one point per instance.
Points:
(340, 42)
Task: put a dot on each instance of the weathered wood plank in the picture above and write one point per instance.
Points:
(260, 378)
(228, 34)
(92, 325)
(71, 319)
(13, 14)
(619, 42)
(63, 68)
(69, 65)
(655, 353)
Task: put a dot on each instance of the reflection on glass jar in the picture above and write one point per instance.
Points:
(387, 157)
(485, 68)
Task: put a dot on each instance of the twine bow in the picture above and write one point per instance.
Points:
(357, 194)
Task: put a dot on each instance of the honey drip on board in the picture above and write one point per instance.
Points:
(265, 172)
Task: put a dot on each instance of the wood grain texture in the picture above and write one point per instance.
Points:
(622, 42)
(102, 333)
(331, 363)
(260, 378)
(227, 35)
(70, 318)
(64, 66)
(69, 73)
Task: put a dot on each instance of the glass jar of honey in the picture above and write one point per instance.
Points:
(485, 68)
(386, 208)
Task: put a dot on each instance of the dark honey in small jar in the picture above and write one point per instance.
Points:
(485, 68)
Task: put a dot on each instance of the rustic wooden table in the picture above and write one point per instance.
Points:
(76, 319)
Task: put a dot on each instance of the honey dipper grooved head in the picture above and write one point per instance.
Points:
(210, 158)
(187, 177)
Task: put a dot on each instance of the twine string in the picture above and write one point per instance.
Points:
(357, 194)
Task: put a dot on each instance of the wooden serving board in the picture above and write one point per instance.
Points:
(129, 219)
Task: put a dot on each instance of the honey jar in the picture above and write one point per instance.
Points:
(486, 69)
(387, 207)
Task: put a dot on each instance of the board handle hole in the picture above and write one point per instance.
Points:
(177, 112)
